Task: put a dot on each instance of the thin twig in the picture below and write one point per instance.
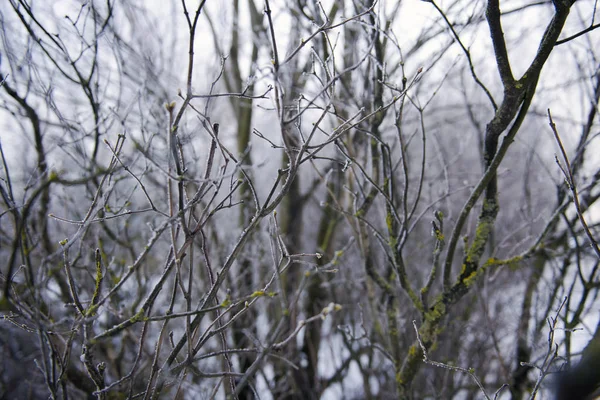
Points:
(468, 371)
(570, 180)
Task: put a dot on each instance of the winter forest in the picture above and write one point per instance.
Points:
(271, 199)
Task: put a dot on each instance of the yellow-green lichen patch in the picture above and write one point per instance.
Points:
(91, 311)
(413, 351)
(138, 317)
(436, 312)
(470, 279)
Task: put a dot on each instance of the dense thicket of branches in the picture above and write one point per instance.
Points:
(296, 200)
